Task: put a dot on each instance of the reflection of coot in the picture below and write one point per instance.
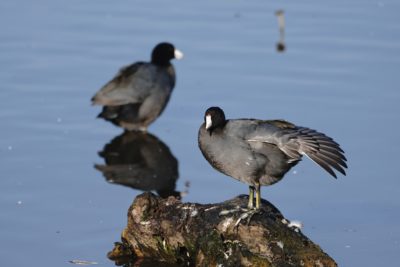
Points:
(141, 161)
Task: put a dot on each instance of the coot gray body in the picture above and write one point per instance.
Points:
(138, 94)
(261, 152)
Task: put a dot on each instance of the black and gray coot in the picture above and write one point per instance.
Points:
(138, 94)
(260, 152)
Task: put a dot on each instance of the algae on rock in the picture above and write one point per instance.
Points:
(189, 234)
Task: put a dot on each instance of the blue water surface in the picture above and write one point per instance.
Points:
(339, 75)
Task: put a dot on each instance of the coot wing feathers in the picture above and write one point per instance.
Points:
(296, 141)
(132, 84)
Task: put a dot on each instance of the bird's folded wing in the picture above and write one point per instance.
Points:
(131, 85)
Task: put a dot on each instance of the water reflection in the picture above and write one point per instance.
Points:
(141, 161)
(280, 46)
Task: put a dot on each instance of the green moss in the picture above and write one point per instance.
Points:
(145, 215)
(259, 262)
(240, 252)
(191, 249)
(211, 244)
(166, 251)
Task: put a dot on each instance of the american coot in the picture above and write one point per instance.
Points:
(138, 94)
(260, 152)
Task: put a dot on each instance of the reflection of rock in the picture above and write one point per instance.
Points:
(141, 161)
(191, 234)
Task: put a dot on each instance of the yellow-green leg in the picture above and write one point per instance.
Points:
(251, 197)
(258, 195)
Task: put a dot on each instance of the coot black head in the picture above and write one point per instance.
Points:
(163, 53)
(214, 118)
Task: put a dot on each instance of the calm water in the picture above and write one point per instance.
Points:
(339, 75)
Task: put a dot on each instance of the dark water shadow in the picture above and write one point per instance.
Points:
(140, 161)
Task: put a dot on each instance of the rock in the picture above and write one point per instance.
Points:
(190, 234)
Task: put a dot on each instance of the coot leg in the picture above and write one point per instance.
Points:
(251, 197)
(258, 195)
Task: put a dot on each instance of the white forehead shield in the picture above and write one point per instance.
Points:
(208, 122)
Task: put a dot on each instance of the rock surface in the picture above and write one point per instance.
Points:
(189, 234)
